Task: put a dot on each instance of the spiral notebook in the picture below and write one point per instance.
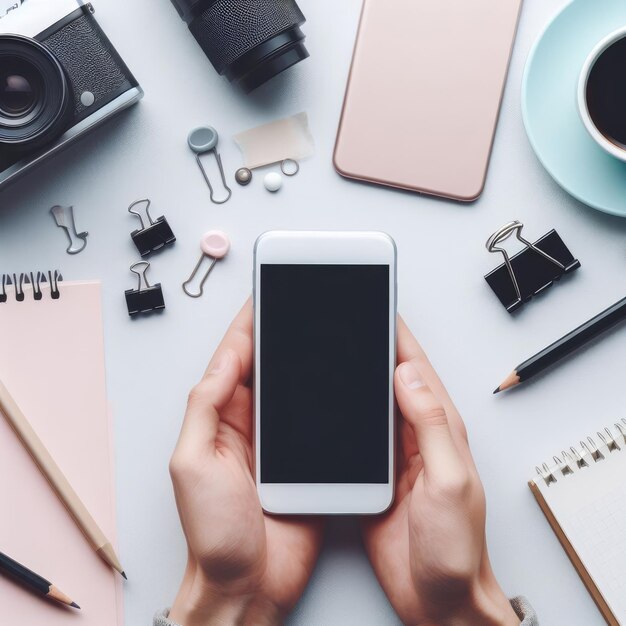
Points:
(583, 496)
(52, 362)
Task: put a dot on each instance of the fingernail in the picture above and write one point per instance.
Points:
(220, 363)
(410, 376)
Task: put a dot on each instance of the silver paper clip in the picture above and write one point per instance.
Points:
(202, 140)
(215, 246)
(64, 218)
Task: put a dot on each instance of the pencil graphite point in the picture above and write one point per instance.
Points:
(108, 554)
(512, 380)
(124, 575)
(59, 596)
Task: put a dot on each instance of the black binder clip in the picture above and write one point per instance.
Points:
(145, 298)
(152, 235)
(531, 270)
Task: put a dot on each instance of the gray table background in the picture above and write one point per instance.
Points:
(472, 342)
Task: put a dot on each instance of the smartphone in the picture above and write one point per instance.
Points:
(424, 93)
(325, 337)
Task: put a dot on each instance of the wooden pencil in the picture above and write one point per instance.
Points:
(565, 346)
(57, 480)
(33, 581)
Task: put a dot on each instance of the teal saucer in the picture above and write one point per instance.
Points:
(550, 110)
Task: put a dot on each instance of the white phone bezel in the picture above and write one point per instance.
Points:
(325, 248)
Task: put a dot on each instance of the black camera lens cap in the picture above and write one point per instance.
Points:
(34, 93)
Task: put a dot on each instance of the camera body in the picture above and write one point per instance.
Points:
(60, 77)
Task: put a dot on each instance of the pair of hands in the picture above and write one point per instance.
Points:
(245, 567)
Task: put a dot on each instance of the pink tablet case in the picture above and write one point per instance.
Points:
(424, 94)
(52, 362)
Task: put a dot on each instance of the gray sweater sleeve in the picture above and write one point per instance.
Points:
(160, 619)
(520, 605)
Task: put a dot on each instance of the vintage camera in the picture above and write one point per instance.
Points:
(248, 41)
(60, 77)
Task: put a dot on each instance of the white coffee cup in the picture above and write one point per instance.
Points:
(583, 108)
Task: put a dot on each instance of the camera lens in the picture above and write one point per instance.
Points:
(20, 89)
(248, 41)
(34, 94)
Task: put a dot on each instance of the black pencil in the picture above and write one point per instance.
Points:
(566, 345)
(33, 581)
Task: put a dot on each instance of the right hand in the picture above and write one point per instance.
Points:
(429, 551)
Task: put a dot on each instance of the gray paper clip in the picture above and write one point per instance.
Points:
(202, 140)
(64, 218)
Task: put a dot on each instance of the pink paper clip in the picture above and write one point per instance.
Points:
(214, 245)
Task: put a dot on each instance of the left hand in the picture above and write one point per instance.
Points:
(244, 566)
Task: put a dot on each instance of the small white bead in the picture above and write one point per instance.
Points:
(273, 181)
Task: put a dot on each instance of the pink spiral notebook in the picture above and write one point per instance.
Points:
(52, 362)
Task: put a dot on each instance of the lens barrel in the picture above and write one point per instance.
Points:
(34, 92)
(248, 41)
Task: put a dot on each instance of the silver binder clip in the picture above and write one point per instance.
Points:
(64, 218)
(202, 140)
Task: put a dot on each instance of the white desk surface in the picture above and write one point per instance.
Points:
(472, 341)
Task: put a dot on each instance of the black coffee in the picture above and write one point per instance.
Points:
(606, 93)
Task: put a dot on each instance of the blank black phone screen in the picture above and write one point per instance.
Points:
(324, 373)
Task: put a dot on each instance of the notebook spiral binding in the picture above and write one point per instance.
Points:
(12, 285)
(589, 453)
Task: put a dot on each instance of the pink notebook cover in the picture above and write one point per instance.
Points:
(52, 362)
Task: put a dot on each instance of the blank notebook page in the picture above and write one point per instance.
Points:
(590, 507)
(52, 363)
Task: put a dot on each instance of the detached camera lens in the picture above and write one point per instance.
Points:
(34, 93)
(248, 41)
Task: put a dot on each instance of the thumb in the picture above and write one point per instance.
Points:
(206, 400)
(427, 416)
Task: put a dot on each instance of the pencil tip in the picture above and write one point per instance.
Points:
(498, 390)
(75, 605)
(124, 575)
